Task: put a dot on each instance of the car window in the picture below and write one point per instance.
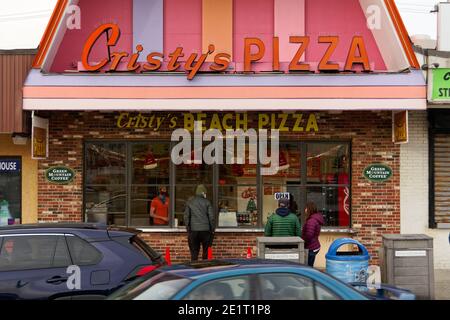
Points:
(82, 252)
(33, 252)
(144, 248)
(236, 288)
(61, 257)
(285, 286)
(323, 293)
(163, 290)
(155, 286)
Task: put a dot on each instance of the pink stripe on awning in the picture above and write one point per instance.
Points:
(289, 21)
(409, 92)
(182, 27)
(253, 19)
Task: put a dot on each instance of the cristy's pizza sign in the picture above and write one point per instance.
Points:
(254, 50)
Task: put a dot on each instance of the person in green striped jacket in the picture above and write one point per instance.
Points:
(283, 223)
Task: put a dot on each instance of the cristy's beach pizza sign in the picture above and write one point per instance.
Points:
(254, 51)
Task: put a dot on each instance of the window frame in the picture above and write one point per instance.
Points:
(302, 144)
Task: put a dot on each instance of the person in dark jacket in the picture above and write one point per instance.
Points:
(311, 231)
(200, 223)
(283, 223)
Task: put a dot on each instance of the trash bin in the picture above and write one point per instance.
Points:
(406, 261)
(347, 266)
(282, 248)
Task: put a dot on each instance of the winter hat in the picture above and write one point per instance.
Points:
(200, 190)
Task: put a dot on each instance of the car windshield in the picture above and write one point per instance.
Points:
(156, 286)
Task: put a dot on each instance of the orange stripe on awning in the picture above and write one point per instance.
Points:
(402, 33)
(49, 33)
(410, 92)
(217, 26)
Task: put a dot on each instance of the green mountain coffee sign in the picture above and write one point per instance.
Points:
(378, 172)
(441, 85)
(60, 175)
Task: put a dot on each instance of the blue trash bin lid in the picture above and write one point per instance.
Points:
(332, 252)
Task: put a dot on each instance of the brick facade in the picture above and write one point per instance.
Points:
(375, 206)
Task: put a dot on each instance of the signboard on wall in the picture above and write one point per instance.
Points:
(254, 51)
(441, 85)
(400, 128)
(60, 175)
(378, 172)
(39, 138)
(9, 166)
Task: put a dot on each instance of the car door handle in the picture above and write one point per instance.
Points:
(57, 280)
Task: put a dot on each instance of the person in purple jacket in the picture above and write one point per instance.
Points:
(311, 231)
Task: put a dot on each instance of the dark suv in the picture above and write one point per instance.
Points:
(70, 261)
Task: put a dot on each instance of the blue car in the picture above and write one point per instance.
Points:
(237, 279)
(70, 261)
(384, 292)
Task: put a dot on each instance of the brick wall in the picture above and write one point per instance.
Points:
(226, 244)
(375, 207)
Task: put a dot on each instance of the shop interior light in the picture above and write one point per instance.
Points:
(283, 163)
(150, 162)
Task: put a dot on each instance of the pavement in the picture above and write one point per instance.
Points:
(442, 284)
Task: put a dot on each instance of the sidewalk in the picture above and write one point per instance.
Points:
(442, 284)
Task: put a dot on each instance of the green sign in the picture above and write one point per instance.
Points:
(60, 175)
(378, 172)
(441, 85)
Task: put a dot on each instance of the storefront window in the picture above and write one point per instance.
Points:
(105, 189)
(238, 191)
(150, 189)
(286, 180)
(327, 163)
(187, 177)
(185, 192)
(128, 183)
(136, 184)
(105, 163)
(10, 191)
(328, 168)
(317, 172)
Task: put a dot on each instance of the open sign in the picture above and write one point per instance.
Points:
(282, 195)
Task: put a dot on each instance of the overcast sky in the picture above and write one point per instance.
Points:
(22, 22)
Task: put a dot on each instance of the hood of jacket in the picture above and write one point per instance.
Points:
(317, 216)
(283, 212)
